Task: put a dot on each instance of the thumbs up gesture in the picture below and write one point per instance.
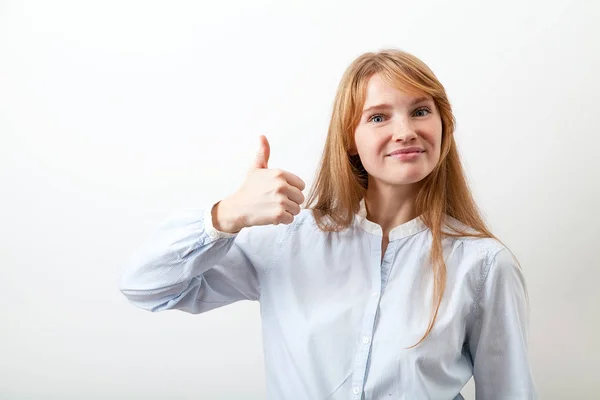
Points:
(267, 196)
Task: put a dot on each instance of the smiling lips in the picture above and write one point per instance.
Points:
(408, 153)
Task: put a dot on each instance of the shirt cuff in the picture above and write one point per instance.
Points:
(210, 229)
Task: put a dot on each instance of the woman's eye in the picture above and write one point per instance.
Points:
(422, 112)
(377, 118)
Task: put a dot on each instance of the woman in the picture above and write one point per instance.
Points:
(388, 285)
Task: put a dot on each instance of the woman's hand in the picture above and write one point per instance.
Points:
(267, 196)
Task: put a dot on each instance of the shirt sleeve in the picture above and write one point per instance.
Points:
(498, 334)
(187, 264)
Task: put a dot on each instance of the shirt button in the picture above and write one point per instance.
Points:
(356, 390)
(366, 339)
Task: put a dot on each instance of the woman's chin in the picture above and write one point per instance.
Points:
(403, 180)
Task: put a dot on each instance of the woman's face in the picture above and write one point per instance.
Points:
(399, 135)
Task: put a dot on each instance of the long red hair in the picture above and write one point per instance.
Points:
(341, 180)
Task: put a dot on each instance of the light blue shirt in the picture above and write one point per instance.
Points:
(337, 321)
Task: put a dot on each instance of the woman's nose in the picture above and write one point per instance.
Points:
(403, 131)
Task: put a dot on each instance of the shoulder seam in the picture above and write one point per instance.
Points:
(283, 245)
(490, 257)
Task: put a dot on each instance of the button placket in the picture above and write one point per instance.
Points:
(368, 323)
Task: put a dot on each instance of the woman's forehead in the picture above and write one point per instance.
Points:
(380, 90)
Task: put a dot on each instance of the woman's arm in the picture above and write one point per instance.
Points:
(498, 332)
(188, 265)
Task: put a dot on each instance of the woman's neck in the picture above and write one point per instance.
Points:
(390, 206)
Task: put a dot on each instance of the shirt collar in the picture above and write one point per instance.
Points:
(406, 229)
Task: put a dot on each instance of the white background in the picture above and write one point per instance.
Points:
(115, 113)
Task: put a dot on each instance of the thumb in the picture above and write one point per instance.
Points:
(262, 156)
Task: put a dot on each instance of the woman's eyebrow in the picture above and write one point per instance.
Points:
(386, 106)
(420, 99)
(383, 106)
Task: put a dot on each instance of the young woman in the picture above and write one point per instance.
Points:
(387, 285)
